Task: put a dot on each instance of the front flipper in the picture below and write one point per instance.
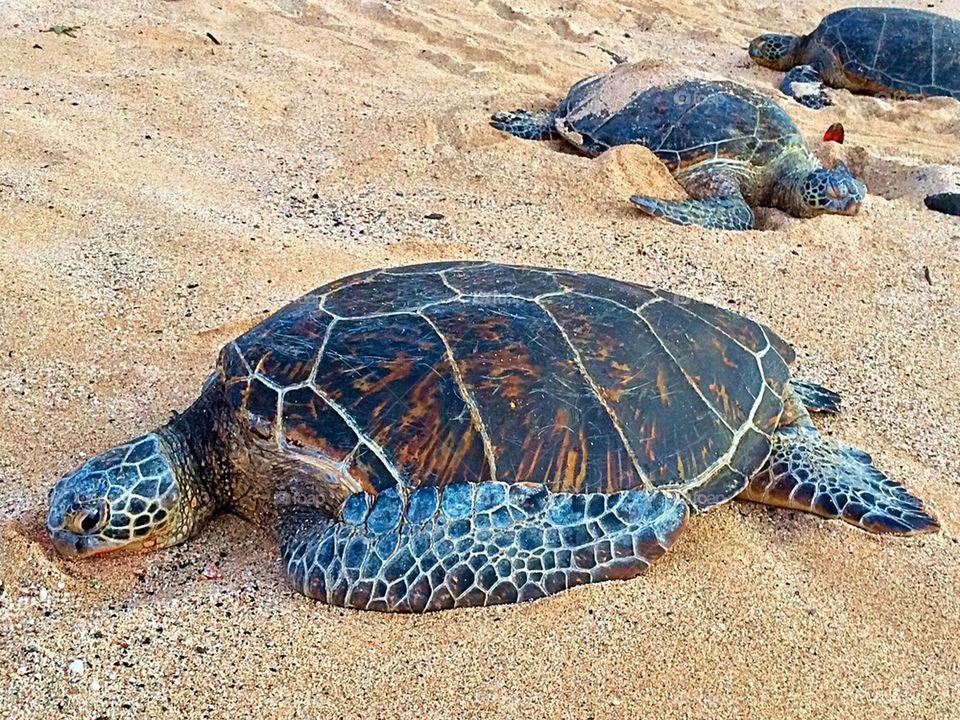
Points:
(473, 544)
(812, 473)
(527, 124)
(724, 213)
(816, 398)
(805, 85)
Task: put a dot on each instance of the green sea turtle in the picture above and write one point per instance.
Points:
(730, 147)
(461, 433)
(891, 52)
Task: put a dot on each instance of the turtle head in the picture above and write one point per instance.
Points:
(834, 191)
(777, 52)
(126, 498)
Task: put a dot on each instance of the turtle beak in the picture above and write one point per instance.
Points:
(73, 546)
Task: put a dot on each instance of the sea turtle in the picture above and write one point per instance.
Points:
(463, 433)
(730, 147)
(891, 52)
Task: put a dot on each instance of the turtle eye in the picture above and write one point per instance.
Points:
(87, 520)
(91, 520)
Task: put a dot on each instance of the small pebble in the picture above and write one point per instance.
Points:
(76, 667)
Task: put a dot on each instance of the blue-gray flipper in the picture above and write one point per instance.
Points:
(527, 124)
(473, 544)
(725, 213)
(804, 84)
(816, 474)
(816, 398)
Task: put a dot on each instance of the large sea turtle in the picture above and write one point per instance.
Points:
(892, 52)
(730, 147)
(461, 433)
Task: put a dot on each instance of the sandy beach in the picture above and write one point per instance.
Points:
(179, 169)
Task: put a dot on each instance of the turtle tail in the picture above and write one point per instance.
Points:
(724, 213)
(816, 474)
(527, 124)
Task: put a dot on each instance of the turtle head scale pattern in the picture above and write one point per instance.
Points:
(834, 191)
(775, 51)
(805, 189)
(135, 496)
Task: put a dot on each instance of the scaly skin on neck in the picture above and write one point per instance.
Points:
(783, 181)
(193, 441)
(220, 466)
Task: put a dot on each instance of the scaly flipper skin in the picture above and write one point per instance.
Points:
(816, 398)
(804, 84)
(527, 124)
(812, 473)
(724, 213)
(473, 544)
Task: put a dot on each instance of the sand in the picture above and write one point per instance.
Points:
(160, 192)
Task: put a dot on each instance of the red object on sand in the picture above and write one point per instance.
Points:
(834, 133)
(211, 572)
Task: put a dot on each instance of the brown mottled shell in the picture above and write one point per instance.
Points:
(452, 372)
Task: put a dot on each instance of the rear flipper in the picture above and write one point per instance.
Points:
(527, 124)
(473, 544)
(816, 474)
(804, 84)
(816, 398)
(724, 213)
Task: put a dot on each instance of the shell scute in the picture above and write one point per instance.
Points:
(752, 451)
(259, 407)
(283, 348)
(478, 280)
(391, 377)
(543, 421)
(381, 293)
(311, 426)
(629, 295)
(675, 434)
(748, 333)
(723, 372)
